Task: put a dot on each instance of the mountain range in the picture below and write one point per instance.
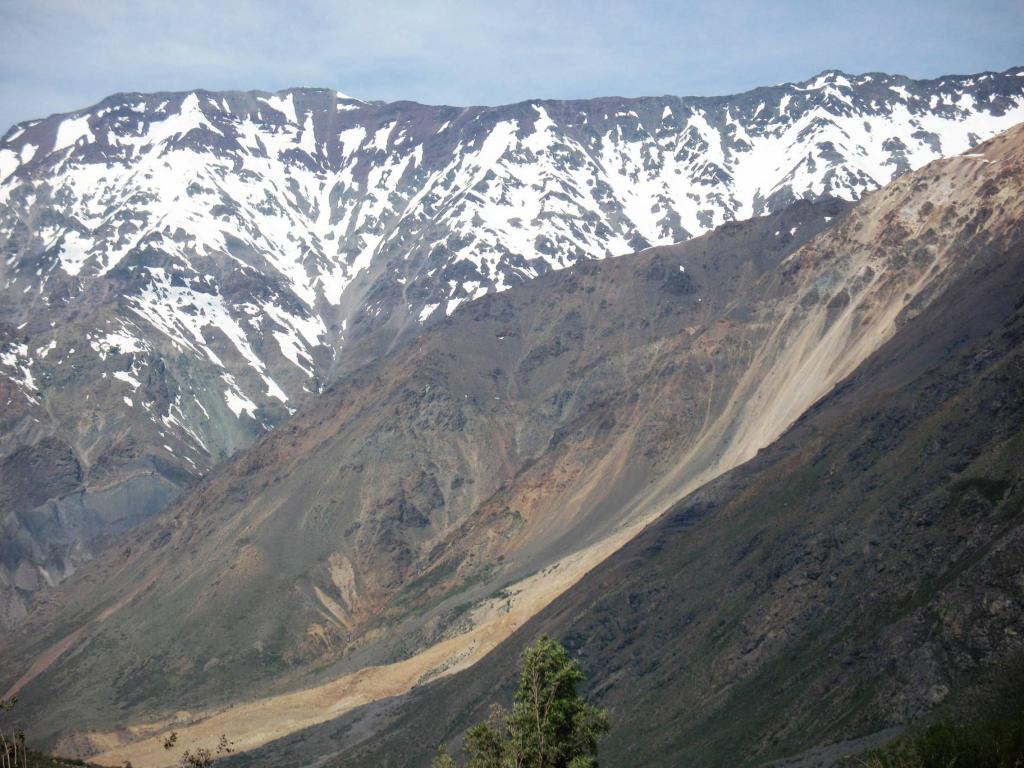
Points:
(311, 406)
(181, 271)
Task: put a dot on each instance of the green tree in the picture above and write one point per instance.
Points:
(442, 759)
(550, 724)
(984, 743)
(486, 744)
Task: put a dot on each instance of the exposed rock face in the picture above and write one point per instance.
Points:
(180, 271)
(428, 504)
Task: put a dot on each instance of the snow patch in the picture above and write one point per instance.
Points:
(9, 163)
(74, 252)
(283, 104)
(128, 379)
(71, 130)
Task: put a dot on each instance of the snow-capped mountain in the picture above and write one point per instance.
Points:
(180, 271)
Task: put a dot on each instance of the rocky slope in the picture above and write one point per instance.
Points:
(860, 573)
(181, 271)
(379, 516)
(426, 505)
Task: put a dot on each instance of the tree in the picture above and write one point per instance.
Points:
(442, 759)
(550, 724)
(200, 757)
(486, 743)
(10, 750)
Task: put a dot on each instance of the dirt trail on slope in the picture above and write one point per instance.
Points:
(55, 651)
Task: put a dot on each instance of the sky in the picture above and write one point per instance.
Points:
(62, 55)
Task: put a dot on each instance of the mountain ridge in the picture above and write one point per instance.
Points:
(119, 96)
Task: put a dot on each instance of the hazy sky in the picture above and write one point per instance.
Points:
(59, 55)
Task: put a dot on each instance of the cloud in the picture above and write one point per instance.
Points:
(58, 55)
